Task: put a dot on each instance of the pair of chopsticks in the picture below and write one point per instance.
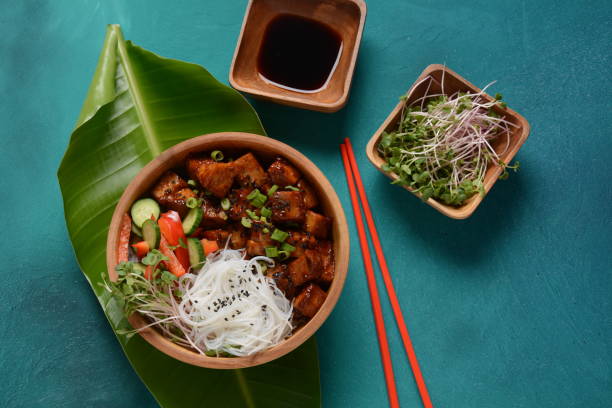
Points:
(355, 184)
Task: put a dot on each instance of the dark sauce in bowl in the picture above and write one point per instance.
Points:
(298, 53)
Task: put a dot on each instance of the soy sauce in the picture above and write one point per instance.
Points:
(298, 53)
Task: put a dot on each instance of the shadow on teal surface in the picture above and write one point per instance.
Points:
(465, 243)
(303, 128)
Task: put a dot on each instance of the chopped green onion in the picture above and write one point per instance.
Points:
(192, 202)
(292, 188)
(253, 194)
(257, 198)
(279, 235)
(271, 252)
(287, 247)
(263, 219)
(272, 190)
(266, 212)
(252, 215)
(259, 201)
(246, 223)
(225, 204)
(192, 183)
(282, 255)
(217, 155)
(266, 230)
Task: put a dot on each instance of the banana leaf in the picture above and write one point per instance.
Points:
(138, 105)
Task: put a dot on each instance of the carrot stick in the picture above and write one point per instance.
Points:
(374, 298)
(397, 311)
(124, 239)
(209, 246)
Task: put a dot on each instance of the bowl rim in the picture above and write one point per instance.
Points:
(254, 143)
(467, 209)
(304, 102)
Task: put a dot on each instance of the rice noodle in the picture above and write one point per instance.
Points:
(230, 306)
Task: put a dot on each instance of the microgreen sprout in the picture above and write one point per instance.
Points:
(155, 298)
(444, 144)
(153, 258)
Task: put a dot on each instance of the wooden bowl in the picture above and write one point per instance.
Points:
(453, 82)
(266, 149)
(347, 17)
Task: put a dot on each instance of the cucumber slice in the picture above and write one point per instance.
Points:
(196, 252)
(136, 230)
(143, 209)
(151, 233)
(192, 220)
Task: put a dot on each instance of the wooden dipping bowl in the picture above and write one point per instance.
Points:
(266, 149)
(453, 82)
(347, 17)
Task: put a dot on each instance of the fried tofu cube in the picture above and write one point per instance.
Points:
(239, 202)
(280, 276)
(249, 172)
(287, 206)
(299, 270)
(283, 174)
(215, 177)
(172, 192)
(309, 300)
(180, 203)
(317, 225)
(301, 242)
(305, 268)
(193, 163)
(310, 197)
(327, 261)
(254, 248)
(238, 237)
(258, 234)
(213, 216)
(167, 185)
(218, 235)
(258, 240)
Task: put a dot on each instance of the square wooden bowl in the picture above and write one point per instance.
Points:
(453, 82)
(346, 17)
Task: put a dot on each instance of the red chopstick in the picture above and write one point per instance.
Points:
(397, 311)
(374, 298)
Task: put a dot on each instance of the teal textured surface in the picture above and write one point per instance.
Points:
(510, 308)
